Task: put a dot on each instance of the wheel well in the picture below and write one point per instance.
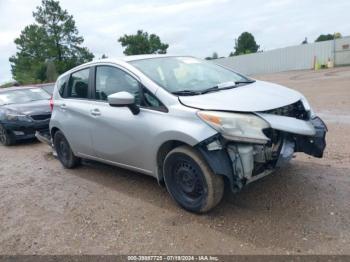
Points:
(163, 150)
(53, 132)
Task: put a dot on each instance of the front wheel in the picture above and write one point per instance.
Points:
(64, 152)
(6, 139)
(190, 181)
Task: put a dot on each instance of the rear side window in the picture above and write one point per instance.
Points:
(62, 86)
(78, 86)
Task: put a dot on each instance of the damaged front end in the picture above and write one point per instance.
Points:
(251, 146)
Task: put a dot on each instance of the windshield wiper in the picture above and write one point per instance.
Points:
(245, 82)
(225, 86)
(186, 93)
(221, 86)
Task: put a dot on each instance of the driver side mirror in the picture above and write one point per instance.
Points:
(122, 99)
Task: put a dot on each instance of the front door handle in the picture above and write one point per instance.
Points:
(95, 112)
(63, 106)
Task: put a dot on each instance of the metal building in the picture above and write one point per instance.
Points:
(291, 58)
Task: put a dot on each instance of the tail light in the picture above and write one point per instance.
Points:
(51, 104)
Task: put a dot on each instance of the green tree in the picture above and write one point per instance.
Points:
(328, 37)
(51, 73)
(54, 37)
(29, 62)
(8, 84)
(337, 35)
(214, 56)
(304, 41)
(245, 44)
(142, 43)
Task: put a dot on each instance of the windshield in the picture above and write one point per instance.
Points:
(23, 96)
(186, 73)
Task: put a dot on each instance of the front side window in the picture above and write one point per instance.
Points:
(185, 73)
(78, 86)
(110, 80)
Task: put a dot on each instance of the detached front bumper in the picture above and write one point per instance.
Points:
(26, 130)
(243, 163)
(313, 145)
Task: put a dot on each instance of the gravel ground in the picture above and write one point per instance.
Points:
(99, 209)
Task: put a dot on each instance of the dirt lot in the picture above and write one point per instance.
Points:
(98, 209)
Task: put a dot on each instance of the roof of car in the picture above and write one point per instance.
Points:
(13, 88)
(131, 58)
(141, 57)
(118, 60)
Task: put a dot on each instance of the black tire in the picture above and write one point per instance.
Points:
(6, 138)
(190, 181)
(64, 152)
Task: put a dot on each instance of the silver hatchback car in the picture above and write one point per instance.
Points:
(189, 123)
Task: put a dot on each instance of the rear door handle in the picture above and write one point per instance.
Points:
(63, 106)
(95, 112)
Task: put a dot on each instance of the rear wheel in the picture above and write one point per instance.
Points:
(6, 139)
(64, 152)
(190, 181)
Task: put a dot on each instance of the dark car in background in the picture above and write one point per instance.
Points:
(48, 87)
(23, 111)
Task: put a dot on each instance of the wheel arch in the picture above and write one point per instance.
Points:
(162, 152)
(53, 131)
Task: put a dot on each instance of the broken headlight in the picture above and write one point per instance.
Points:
(236, 126)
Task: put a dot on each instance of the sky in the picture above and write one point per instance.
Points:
(190, 27)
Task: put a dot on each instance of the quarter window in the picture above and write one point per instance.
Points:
(151, 102)
(110, 80)
(78, 86)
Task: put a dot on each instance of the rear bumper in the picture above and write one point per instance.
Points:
(26, 130)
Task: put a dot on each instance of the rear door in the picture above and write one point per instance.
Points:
(75, 112)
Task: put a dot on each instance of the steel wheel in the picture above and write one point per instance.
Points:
(64, 152)
(190, 181)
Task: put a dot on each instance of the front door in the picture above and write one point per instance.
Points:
(118, 135)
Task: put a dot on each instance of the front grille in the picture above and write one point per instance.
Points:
(295, 110)
(31, 130)
(41, 117)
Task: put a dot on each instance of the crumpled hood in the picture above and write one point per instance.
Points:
(256, 97)
(31, 108)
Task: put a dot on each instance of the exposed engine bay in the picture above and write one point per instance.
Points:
(292, 130)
